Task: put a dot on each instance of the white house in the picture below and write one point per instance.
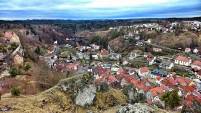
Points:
(195, 50)
(187, 50)
(182, 60)
(115, 68)
(166, 64)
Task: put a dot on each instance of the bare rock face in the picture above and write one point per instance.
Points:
(86, 96)
(136, 108)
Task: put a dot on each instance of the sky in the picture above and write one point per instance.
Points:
(97, 9)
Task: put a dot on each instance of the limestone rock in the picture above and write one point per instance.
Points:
(136, 108)
(86, 96)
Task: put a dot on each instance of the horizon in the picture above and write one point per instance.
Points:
(98, 9)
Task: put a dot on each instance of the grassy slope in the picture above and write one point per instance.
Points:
(54, 100)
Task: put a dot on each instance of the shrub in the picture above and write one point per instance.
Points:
(27, 67)
(14, 71)
(171, 99)
(13, 46)
(103, 87)
(15, 91)
(100, 41)
(115, 34)
(39, 51)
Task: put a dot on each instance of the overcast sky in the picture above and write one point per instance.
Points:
(97, 9)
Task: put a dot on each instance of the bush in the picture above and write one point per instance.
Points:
(14, 71)
(39, 51)
(87, 78)
(103, 87)
(115, 34)
(27, 67)
(13, 46)
(15, 91)
(100, 41)
(171, 99)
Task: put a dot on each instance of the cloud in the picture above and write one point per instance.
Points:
(68, 9)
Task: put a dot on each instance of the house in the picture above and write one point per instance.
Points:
(195, 50)
(95, 57)
(50, 60)
(196, 65)
(18, 59)
(153, 96)
(187, 50)
(125, 62)
(99, 71)
(115, 56)
(103, 53)
(106, 65)
(2, 56)
(150, 58)
(143, 71)
(149, 41)
(115, 68)
(59, 67)
(111, 80)
(198, 74)
(158, 72)
(156, 92)
(72, 66)
(169, 81)
(182, 60)
(157, 49)
(166, 64)
(182, 81)
(80, 55)
(131, 71)
(190, 98)
(95, 47)
(124, 82)
(121, 71)
(198, 84)
(55, 42)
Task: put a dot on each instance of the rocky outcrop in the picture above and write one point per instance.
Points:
(86, 96)
(136, 108)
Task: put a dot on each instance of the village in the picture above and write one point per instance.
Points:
(151, 69)
(151, 73)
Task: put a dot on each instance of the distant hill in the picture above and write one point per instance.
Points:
(77, 25)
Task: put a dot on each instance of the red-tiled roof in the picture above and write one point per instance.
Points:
(101, 70)
(157, 91)
(183, 81)
(190, 98)
(197, 63)
(121, 71)
(104, 52)
(169, 81)
(182, 58)
(144, 70)
(72, 66)
(158, 78)
(188, 88)
(111, 79)
(136, 83)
